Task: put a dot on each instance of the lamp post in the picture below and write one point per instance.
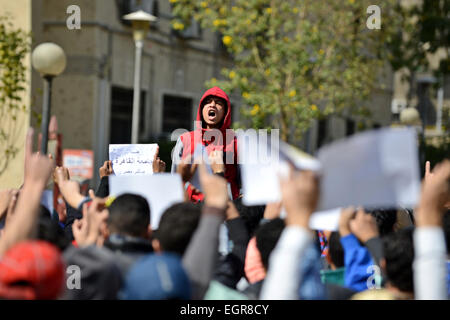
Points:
(410, 117)
(50, 61)
(140, 22)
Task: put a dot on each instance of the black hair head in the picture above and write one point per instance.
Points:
(385, 218)
(129, 214)
(399, 255)
(50, 231)
(177, 225)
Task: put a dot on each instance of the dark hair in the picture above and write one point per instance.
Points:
(177, 225)
(335, 250)
(267, 236)
(251, 215)
(399, 255)
(129, 214)
(385, 218)
(50, 231)
(446, 225)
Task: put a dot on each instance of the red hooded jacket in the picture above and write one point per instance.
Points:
(227, 144)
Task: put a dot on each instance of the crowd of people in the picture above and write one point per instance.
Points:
(103, 247)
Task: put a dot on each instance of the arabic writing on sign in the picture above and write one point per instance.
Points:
(132, 159)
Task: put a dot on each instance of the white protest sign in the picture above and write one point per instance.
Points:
(261, 164)
(132, 159)
(321, 220)
(373, 169)
(161, 191)
(325, 220)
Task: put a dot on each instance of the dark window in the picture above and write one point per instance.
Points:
(322, 134)
(177, 113)
(192, 32)
(122, 114)
(349, 127)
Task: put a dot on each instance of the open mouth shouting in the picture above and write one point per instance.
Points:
(212, 114)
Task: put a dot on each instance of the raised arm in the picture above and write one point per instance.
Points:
(300, 193)
(201, 254)
(23, 223)
(429, 266)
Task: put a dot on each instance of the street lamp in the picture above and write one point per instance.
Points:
(50, 61)
(140, 22)
(410, 117)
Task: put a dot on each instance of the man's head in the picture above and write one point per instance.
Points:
(385, 218)
(176, 227)
(32, 270)
(267, 237)
(398, 259)
(129, 215)
(213, 111)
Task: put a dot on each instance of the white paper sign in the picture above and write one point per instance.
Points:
(378, 168)
(261, 164)
(161, 191)
(132, 159)
(325, 220)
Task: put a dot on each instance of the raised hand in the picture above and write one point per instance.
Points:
(186, 169)
(38, 168)
(106, 169)
(70, 190)
(435, 195)
(300, 196)
(364, 226)
(87, 231)
(347, 214)
(216, 161)
(23, 225)
(214, 188)
(158, 164)
(272, 210)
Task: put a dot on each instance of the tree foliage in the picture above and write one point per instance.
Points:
(295, 60)
(14, 46)
(424, 29)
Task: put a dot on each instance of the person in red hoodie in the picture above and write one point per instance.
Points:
(212, 129)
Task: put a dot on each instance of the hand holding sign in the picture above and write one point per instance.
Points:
(133, 159)
(106, 169)
(158, 164)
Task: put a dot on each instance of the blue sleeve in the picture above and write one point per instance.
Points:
(357, 259)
